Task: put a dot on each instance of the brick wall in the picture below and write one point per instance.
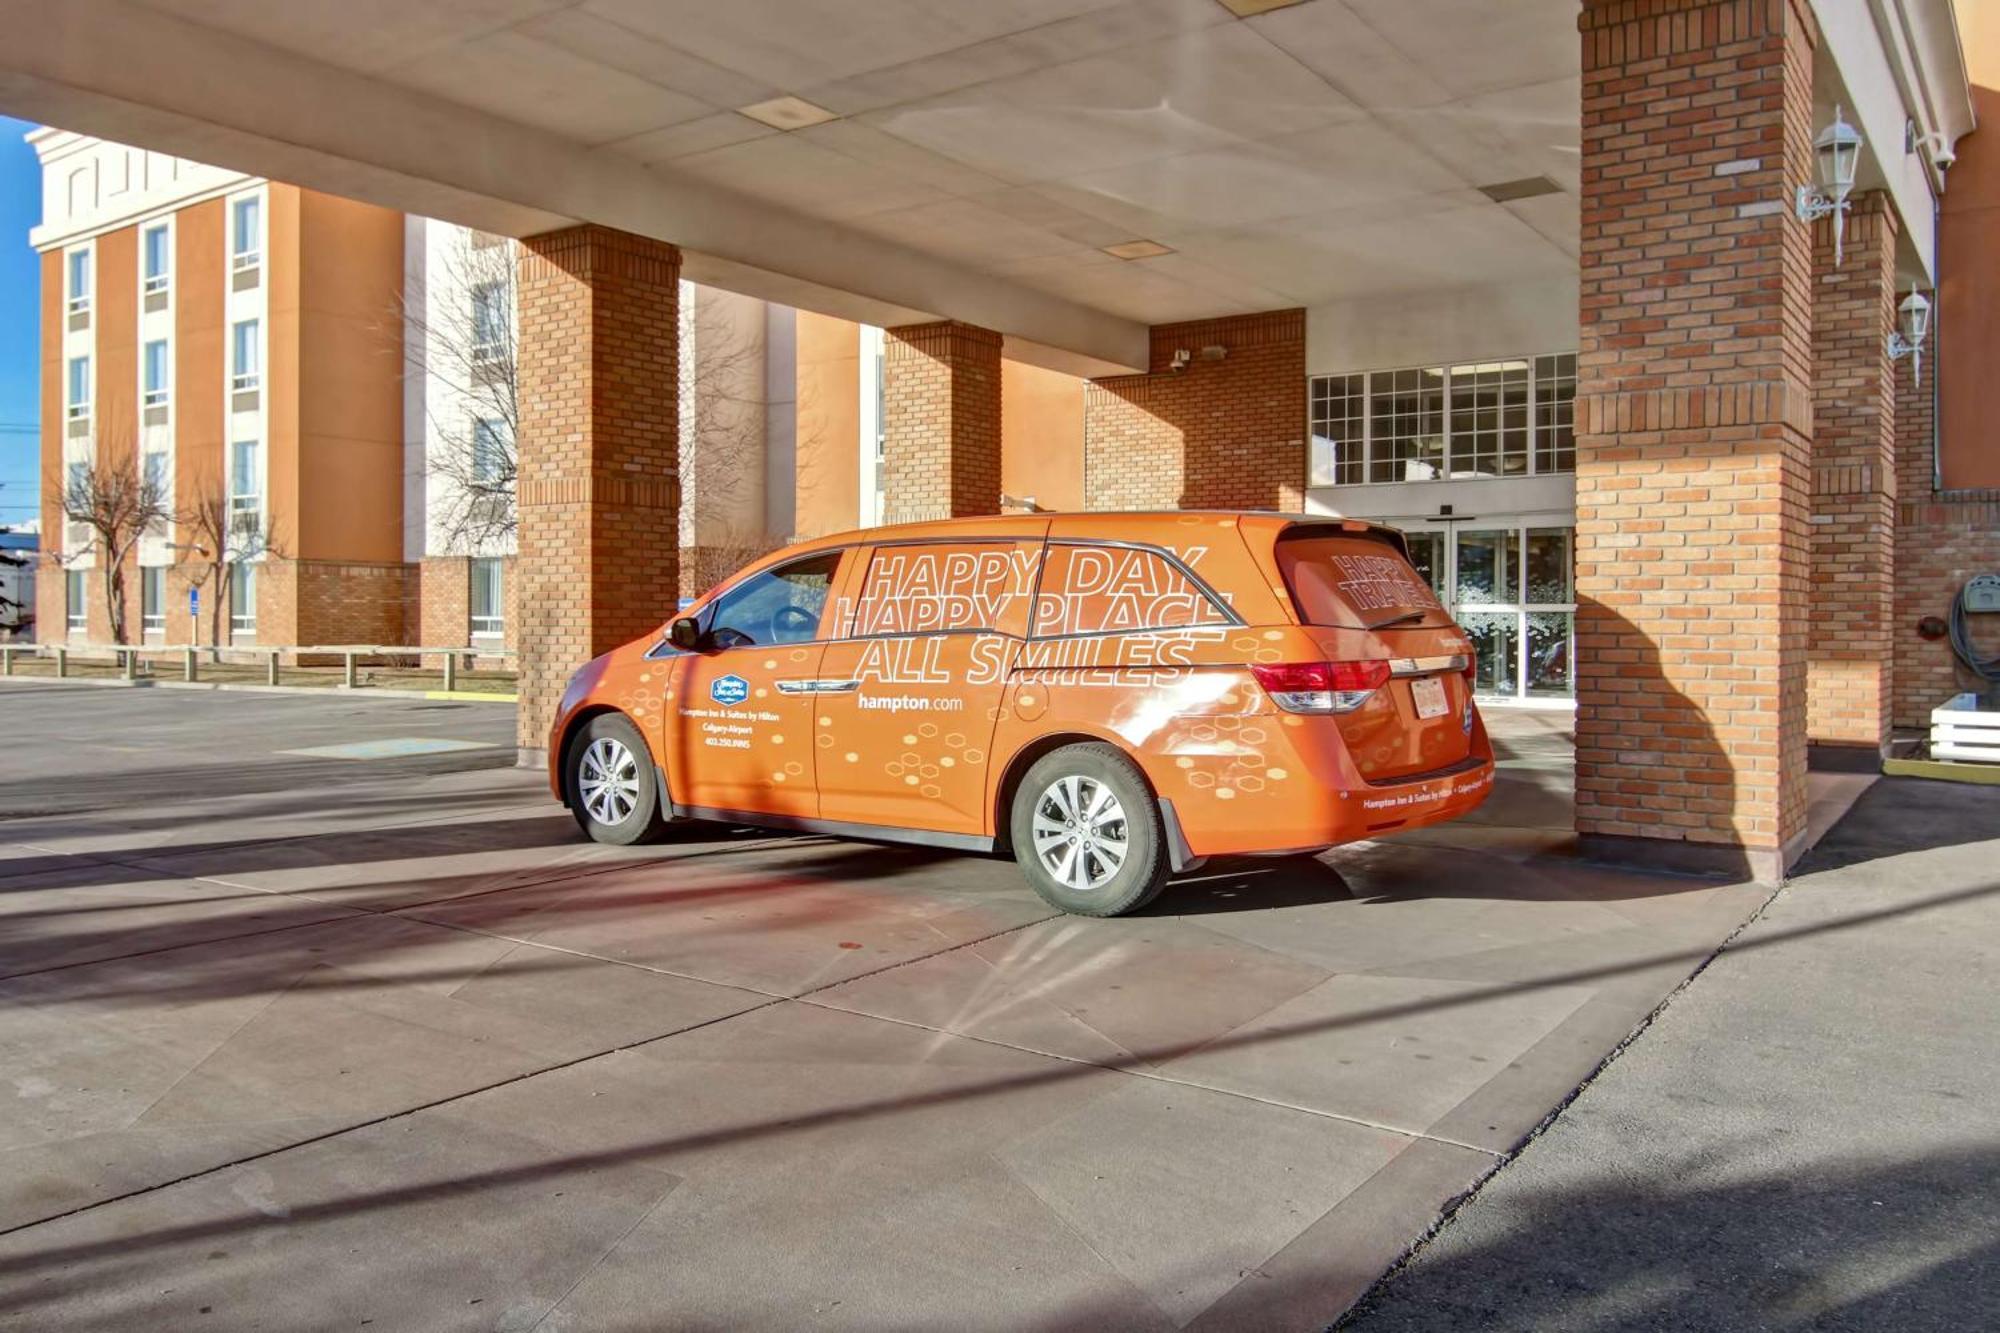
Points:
(1942, 539)
(940, 421)
(443, 615)
(1222, 434)
(598, 453)
(1694, 420)
(1854, 480)
(349, 601)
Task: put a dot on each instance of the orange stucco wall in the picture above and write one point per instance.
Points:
(349, 386)
(1968, 294)
(1041, 436)
(198, 342)
(829, 423)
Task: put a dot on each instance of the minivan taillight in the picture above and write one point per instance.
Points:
(1321, 687)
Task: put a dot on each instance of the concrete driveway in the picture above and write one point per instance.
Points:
(295, 1040)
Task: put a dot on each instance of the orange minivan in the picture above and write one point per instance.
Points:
(1110, 697)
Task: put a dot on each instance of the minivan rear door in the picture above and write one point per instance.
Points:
(1358, 594)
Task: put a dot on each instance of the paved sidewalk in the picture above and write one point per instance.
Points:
(1808, 1137)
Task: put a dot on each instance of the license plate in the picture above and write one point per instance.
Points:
(1427, 692)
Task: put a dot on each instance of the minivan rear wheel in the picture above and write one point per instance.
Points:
(1087, 832)
(613, 791)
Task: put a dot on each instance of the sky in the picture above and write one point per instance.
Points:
(20, 408)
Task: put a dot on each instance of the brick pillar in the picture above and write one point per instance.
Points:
(598, 453)
(1694, 425)
(1850, 640)
(940, 421)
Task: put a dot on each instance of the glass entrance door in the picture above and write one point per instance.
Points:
(1511, 587)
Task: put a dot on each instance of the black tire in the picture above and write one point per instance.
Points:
(1140, 853)
(626, 811)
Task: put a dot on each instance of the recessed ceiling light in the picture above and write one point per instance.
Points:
(787, 113)
(1532, 187)
(1137, 250)
(1244, 9)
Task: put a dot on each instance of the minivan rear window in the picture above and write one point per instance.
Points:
(1354, 581)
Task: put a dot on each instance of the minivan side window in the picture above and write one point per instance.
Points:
(778, 605)
(1090, 589)
(942, 588)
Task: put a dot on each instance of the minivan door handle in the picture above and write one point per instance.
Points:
(818, 686)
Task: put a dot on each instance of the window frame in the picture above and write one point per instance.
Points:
(73, 409)
(237, 494)
(485, 320)
(151, 283)
(162, 394)
(79, 261)
(479, 568)
(1230, 620)
(706, 616)
(152, 599)
(1546, 409)
(241, 380)
(488, 434)
(76, 604)
(242, 589)
(242, 258)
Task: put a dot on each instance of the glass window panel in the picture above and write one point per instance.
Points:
(242, 597)
(488, 615)
(1551, 652)
(1549, 567)
(1427, 556)
(245, 353)
(156, 371)
(1486, 568)
(1339, 422)
(489, 319)
(78, 613)
(156, 255)
(79, 275)
(79, 381)
(1494, 636)
(1489, 436)
(781, 605)
(1555, 413)
(1406, 425)
(244, 234)
(152, 597)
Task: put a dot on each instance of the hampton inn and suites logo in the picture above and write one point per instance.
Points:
(729, 690)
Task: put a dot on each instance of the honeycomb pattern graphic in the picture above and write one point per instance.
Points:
(928, 752)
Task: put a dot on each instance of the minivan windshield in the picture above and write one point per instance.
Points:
(1354, 581)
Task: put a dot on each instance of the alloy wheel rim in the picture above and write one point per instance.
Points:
(608, 781)
(1080, 832)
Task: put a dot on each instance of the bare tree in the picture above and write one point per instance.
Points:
(115, 505)
(458, 343)
(16, 616)
(220, 537)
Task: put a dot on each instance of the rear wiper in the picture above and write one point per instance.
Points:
(1403, 619)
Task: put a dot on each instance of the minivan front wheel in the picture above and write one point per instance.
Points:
(612, 789)
(1087, 832)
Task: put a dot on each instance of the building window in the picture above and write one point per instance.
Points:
(1482, 419)
(242, 598)
(489, 321)
(155, 472)
(156, 373)
(153, 599)
(1340, 434)
(489, 453)
(154, 251)
(1555, 413)
(79, 388)
(79, 282)
(489, 617)
(243, 490)
(245, 233)
(74, 608)
(243, 373)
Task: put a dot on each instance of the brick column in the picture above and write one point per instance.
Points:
(599, 452)
(940, 421)
(1850, 642)
(1693, 424)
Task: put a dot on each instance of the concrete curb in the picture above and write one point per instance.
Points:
(364, 692)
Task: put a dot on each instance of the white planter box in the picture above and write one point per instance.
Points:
(1963, 730)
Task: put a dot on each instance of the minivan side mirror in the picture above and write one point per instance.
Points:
(685, 634)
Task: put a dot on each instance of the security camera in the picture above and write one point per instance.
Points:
(1945, 159)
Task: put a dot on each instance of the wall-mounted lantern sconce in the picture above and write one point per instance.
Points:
(1838, 153)
(1914, 316)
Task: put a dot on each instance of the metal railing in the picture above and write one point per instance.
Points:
(129, 655)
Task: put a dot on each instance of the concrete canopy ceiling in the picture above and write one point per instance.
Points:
(1313, 153)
